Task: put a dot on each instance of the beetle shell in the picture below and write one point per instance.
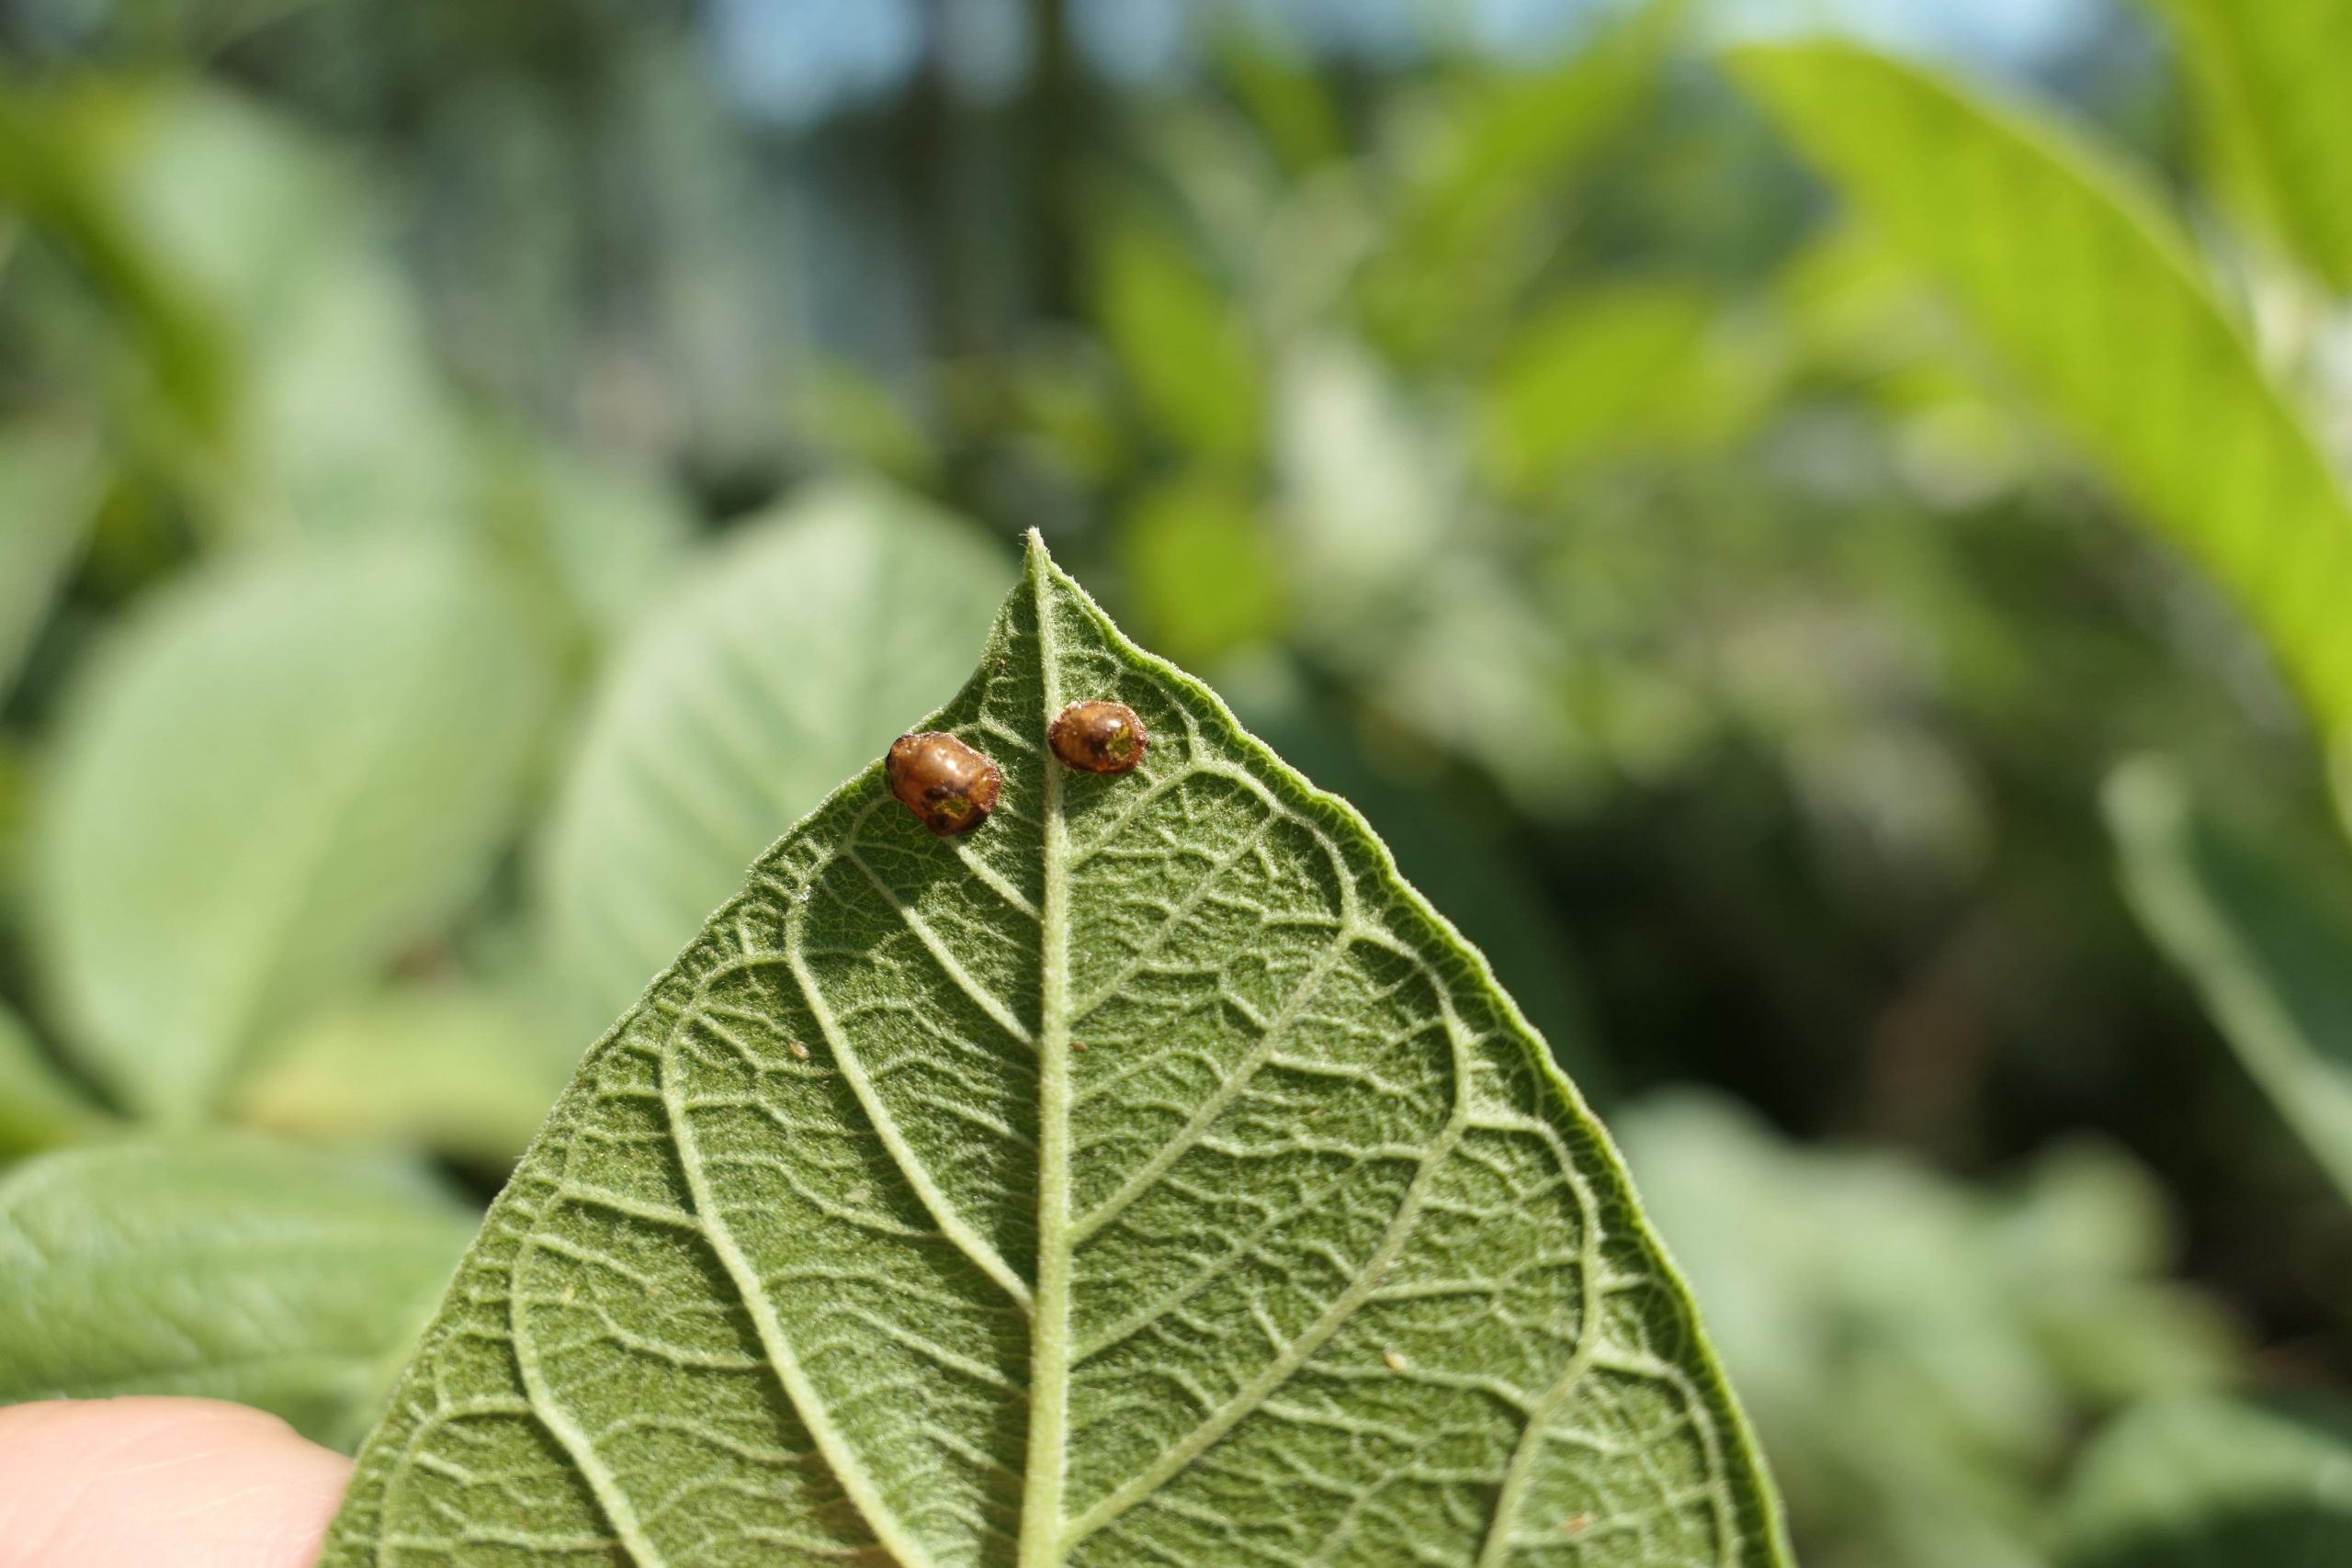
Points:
(1099, 738)
(950, 787)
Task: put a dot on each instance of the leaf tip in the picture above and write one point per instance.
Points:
(1037, 564)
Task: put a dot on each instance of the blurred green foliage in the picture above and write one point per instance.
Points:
(1920, 1351)
(468, 482)
(2195, 1481)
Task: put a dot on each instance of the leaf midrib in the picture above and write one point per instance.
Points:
(1042, 1507)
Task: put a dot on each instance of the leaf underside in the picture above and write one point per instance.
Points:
(1147, 1178)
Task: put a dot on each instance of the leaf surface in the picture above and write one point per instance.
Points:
(230, 1268)
(1148, 1177)
(279, 776)
(786, 662)
(2267, 942)
(2273, 113)
(2071, 270)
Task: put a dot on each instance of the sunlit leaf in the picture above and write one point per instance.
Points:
(2270, 80)
(277, 776)
(786, 660)
(2200, 1481)
(347, 426)
(228, 1269)
(2266, 940)
(60, 153)
(1288, 99)
(1147, 1176)
(2068, 267)
(341, 424)
(39, 1108)
(860, 423)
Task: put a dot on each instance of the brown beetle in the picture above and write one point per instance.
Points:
(1099, 737)
(950, 787)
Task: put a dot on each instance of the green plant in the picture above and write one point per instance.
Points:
(2066, 265)
(1148, 1175)
(1683, 591)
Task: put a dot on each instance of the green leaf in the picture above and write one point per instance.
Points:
(1287, 97)
(245, 272)
(60, 153)
(1479, 210)
(787, 660)
(2069, 267)
(228, 1269)
(48, 487)
(1206, 573)
(39, 1108)
(2266, 940)
(1182, 341)
(2199, 1481)
(339, 423)
(1632, 367)
(841, 1245)
(608, 537)
(462, 1068)
(279, 776)
(2273, 114)
(1455, 854)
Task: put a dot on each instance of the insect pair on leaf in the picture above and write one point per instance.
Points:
(951, 787)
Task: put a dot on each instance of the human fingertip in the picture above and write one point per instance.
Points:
(133, 1482)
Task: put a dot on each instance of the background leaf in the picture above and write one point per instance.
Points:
(276, 779)
(464, 1068)
(610, 537)
(2202, 1481)
(1185, 349)
(39, 1108)
(229, 1268)
(48, 487)
(1475, 213)
(1609, 371)
(786, 660)
(1147, 1176)
(2266, 940)
(2269, 80)
(2087, 290)
(275, 246)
